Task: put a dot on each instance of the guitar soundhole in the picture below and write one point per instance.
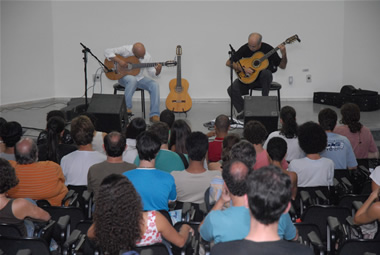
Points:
(178, 89)
(256, 63)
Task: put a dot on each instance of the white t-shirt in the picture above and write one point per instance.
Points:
(294, 149)
(130, 153)
(375, 175)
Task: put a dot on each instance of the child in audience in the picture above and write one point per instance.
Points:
(222, 125)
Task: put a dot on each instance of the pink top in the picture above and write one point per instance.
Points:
(262, 159)
(362, 142)
(151, 235)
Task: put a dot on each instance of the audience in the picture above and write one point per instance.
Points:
(229, 141)
(360, 137)
(192, 183)
(370, 210)
(134, 128)
(178, 134)
(114, 145)
(268, 198)
(2, 145)
(289, 132)
(120, 223)
(66, 137)
(42, 180)
(75, 165)
(98, 136)
(222, 125)
(338, 147)
(156, 188)
(167, 117)
(11, 133)
(312, 170)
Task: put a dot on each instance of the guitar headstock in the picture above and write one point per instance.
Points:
(292, 39)
(179, 50)
(170, 63)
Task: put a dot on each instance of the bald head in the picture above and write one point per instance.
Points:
(26, 151)
(234, 174)
(254, 41)
(138, 50)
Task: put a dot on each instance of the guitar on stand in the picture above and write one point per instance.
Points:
(178, 99)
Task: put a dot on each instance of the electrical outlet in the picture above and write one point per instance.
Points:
(96, 77)
(308, 78)
(290, 80)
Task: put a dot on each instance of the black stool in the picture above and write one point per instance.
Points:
(273, 86)
(117, 87)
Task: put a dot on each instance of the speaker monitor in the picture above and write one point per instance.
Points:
(110, 111)
(263, 109)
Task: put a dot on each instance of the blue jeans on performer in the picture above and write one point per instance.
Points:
(130, 84)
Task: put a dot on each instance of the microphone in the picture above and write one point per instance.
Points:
(232, 49)
(85, 48)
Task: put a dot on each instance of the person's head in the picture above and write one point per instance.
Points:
(117, 215)
(312, 138)
(55, 125)
(277, 148)
(92, 117)
(82, 130)
(255, 132)
(135, 127)
(197, 146)
(55, 128)
(2, 122)
(222, 123)
(178, 134)
(8, 178)
(168, 117)
(254, 41)
(229, 141)
(327, 118)
(11, 133)
(269, 194)
(138, 50)
(54, 113)
(351, 116)
(114, 144)
(160, 129)
(245, 152)
(148, 145)
(289, 126)
(234, 174)
(26, 151)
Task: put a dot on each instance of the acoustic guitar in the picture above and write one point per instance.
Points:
(133, 67)
(259, 61)
(178, 99)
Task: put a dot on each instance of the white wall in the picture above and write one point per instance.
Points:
(45, 35)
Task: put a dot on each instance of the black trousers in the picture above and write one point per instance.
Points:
(240, 89)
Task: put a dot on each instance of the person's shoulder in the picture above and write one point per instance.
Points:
(229, 247)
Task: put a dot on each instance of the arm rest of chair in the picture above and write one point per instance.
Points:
(357, 205)
(321, 197)
(315, 240)
(333, 223)
(62, 229)
(23, 252)
(68, 196)
(75, 235)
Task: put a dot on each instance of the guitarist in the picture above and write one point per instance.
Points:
(130, 82)
(265, 76)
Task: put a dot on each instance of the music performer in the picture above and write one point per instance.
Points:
(265, 76)
(130, 82)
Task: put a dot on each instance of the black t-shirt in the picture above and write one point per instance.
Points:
(246, 247)
(245, 52)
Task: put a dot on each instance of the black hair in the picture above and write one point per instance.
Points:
(8, 178)
(148, 145)
(229, 141)
(55, 113)
(197, 146)
(312, 138)
(11, 133)
(54, 128)
(222, 123)
(327, 118)
(114, 144)
(234, 174)
(178, 134)
(289, 125)
(255, 132)
(351, 116)
(277, 148)
(161, 129)
(269, 193)
(168, 117)
(135, 127)
(245, 152)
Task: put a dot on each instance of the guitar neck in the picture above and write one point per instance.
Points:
(271, 52)
(179, 75)
(143, 65)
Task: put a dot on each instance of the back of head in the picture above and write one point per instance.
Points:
(135, 127)
(245, 152)
(168, 117)
(82, 130)
(269, 193)
(178, 134)
(114, 144)
(54, 127)
(55, 113)
(222, 123)
(148, 145)
(8, 177)
(92, 117)
(255, 132)
(118, 215)
(351, 116)
(26, 151)
(289, 125)
(11, 133)
(229, 141)
(327, 118)
(277, 148)
(160, 129)
(312, 138)
(234, 174)
(197, 146)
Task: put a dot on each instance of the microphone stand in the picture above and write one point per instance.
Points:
(231, 53)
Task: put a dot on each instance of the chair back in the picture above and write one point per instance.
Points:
(359, 247)
(154, 249)
(9, 230)
(11, 245)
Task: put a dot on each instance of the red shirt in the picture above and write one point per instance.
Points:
(215, 150)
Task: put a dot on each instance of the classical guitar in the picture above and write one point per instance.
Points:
(178, 99)
(259, 61)
(133, 67)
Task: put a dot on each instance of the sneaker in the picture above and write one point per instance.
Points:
(154, 119)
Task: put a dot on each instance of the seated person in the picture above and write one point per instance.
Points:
(229, 141)
(233, 223)
(37, 180)
(338, 147)
(11, 133)
(167, 117)
(156, 187)
(14, 211)
(375, 176)
(222, 125)
(2, 145)
(192, 183)
(276, 149)
(66, 136)
(134, 128)
(313, 170)
(120, 223)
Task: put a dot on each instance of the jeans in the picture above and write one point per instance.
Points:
(130, 84)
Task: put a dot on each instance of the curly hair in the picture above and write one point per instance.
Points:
(255, 132)
(245, 152)
(229, 141)
(289, 125)
(8, 178)
(118, 215)
(312, 138)
(135, 127)
(277, 148)
(178, 134)
(351, 116)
